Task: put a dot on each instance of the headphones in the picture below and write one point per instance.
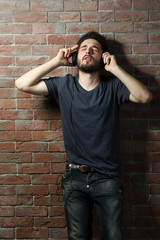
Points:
(74, 59)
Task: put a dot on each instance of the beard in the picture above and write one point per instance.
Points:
(90, 67)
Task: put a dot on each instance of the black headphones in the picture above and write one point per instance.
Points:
(74, 59)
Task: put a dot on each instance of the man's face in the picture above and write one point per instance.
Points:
(89, 56)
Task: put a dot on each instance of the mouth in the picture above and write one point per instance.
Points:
(87, 57)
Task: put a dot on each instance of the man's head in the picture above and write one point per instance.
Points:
(89, 53)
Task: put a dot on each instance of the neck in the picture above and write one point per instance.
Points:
(89, 80)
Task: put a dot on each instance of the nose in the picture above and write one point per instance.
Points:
(89, 50)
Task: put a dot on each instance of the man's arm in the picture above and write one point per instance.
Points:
(32, 82)
(138, 91)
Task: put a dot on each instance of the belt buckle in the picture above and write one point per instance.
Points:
(84, 168)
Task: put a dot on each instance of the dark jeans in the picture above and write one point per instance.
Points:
(83, 190)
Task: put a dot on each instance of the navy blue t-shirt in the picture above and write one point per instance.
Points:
(90, 120)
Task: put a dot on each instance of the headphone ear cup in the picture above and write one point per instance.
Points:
(74, 59)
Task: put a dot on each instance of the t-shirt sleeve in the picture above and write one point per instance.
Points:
(122, 92)
(53, 85)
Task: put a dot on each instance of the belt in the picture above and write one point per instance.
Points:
(82, 168)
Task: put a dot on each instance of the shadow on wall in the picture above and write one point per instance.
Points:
(140, 158)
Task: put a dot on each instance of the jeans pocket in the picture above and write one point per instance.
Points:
(66, 184)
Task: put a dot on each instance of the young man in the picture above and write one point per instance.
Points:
(89, 106)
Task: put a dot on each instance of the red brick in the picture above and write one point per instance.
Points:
(7, 211)
(47, 115)
(8, 83)
(116, 27)
(56, 211)
(58, 167)
(146, 4)
(31, 147)
(49, 157)
(36, 168)
(154, 15)
(55, 233)
(131, 16)
(51, 222)
(146, 48)
(156, 167)
(131, 37)
(15, 115)
(136, 60)
(15, 157)
(8, 6)
(7, 125)
(30, 39)
(115, 5)
(7, 190)
(6, 40)
(31, 211)
(154, 37)
(155, 59)
(47, 6)
(147, 27)
(80, 6)
(15, 201)
(7, 104)
(55, 125)
(48, 28)
(32, 190)
(8, 168)
(29, 17)
(64, 17)
(57, 147)
(7, 233)
(46, 49)
(16, 28)
(147, 70)
(30, 104)
(47, 136)
(61, 39)
(154, 146)
(6, 147)
(81, 27)
(30, 60)
(44, 179)
(6, 61)
(13, 179)
(13, 71)
(97, 16)
(15, 136)
(16, 222)
(32, 233)
(31, 125)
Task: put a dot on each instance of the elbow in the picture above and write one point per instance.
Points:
(19, 85)
(147, 97)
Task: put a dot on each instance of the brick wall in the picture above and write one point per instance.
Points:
(31, 143)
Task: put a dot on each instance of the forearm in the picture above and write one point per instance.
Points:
(34, 76)
(139, 92)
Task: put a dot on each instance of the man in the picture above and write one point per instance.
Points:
(90, 105)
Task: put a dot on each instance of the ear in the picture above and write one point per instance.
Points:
(74, 59)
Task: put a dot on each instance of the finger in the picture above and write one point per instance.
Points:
(74, 48)
(106, 54)
(67, 52)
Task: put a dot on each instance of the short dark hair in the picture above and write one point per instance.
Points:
(97, 36)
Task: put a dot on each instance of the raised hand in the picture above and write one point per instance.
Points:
(64, 55)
